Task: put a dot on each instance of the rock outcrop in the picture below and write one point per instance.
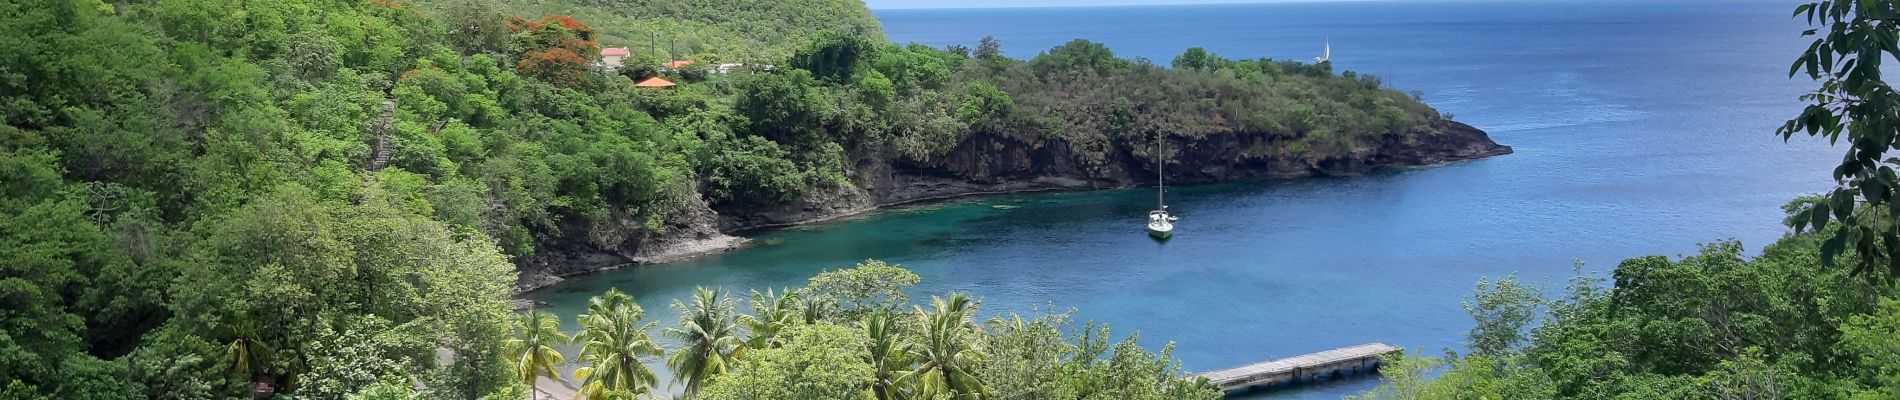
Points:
(989, 164)
(691, 230)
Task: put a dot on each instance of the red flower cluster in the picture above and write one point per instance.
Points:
(581, 32)
(567, 22)
(556, 65)
(556, 49)
(406, 74)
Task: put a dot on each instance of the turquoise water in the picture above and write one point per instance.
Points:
(1640, 129)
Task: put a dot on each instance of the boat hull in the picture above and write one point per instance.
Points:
(1162, 231)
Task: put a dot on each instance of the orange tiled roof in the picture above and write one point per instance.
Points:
(654, 82)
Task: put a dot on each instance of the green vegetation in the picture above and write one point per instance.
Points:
(1815, 316)
(706, 31)
(710, 339)
(1714, 325)
(612, 343)
(532, 348)
(825, 349)
(1851, 41)
(191, 212)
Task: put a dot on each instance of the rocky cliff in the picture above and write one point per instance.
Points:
(987, 164)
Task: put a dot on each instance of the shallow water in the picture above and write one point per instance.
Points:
(1640, 129)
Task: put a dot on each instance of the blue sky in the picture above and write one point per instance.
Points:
(890, 4)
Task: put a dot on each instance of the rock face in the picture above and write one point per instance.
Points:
(690, 231)
(988, 164)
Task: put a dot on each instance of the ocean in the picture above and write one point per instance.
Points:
(1641, 128)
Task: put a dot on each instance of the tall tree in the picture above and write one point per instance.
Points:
(835, 57)
(246, 353)
(947, 350)
(871, 285)
(771, 313)
(1502, 310)
(612, 341)
(533, 347)
(708, 336)
(885, 353)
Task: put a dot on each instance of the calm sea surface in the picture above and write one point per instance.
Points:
(1641, 128)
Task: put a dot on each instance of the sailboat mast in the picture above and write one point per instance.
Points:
(1161, 178)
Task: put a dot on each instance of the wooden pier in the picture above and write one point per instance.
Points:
(1326, 364)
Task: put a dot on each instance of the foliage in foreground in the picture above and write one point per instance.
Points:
(792, 348)
(1852, 39)
(1714, 325)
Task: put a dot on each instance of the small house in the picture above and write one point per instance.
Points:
(612, 57)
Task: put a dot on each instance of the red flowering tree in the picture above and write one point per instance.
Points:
(556, 49)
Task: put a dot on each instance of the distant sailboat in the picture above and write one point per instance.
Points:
(1327, 56)
(1160, 224)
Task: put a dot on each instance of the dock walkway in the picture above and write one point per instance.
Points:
(1349, 360)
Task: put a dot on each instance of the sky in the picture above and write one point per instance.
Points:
(897, 4)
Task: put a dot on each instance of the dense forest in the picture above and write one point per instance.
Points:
(709, 31)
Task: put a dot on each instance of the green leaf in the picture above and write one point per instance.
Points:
(1833, 247)
(1874, 191)
(1818, 216)
(1843, 205)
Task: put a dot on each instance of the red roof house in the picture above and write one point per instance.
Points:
(654, 82)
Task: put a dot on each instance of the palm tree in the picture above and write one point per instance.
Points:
(887, 355)
(246, 354)
(947, 350)
(532, 348)
(775, 313)
(813, 310)
(708, 338)
(612, 342)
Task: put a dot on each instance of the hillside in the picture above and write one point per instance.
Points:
(849, 124)
(702, 30)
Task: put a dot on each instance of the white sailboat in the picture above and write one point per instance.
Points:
(1160, 224)
(1327, 56)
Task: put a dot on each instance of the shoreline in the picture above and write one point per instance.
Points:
(728, 241)
(734, 240)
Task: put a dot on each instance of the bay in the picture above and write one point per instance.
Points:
(1641, 128)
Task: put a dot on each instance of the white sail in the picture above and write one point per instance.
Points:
(1328, 55)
